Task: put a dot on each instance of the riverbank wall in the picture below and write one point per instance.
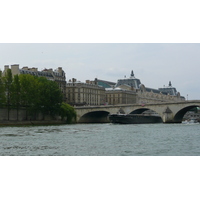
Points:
(14, 117)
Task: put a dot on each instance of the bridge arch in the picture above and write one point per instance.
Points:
(95, 117)
(139, 110)
(178, 117)
(143, 110)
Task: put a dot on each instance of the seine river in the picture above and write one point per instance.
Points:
(101, 140)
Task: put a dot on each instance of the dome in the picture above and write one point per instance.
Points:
(132, 81)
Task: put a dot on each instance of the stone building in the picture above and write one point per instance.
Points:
(131, 90)
(120, 96)
(133, 82)
(88, 93)
(166, 94)
(57, 75)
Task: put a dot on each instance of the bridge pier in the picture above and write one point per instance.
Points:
(168, 116)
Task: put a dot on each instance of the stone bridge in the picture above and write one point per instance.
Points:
(169, 112)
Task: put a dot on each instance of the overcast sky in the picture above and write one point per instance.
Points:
(154, 64)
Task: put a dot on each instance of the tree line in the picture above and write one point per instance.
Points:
(33, 93)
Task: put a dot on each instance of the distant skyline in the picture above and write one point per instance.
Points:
(155, 64)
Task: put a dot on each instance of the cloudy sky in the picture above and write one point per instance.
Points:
(155, 64)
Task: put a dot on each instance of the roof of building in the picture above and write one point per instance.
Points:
(104, 83)
(169, 89)
(132, 81)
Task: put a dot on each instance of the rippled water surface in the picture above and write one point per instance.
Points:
(101, 140)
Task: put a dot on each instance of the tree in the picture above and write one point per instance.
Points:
(2, 91)
(7, 80)
(50, 96)
(35, 94)
(67, 111)
(40, 95)
(16, 93)
(29, 93)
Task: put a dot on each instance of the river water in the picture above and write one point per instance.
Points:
(101, 140)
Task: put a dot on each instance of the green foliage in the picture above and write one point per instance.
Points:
(36, 94)
(15, 92)
(50, 96)
(2, 91)
(40, 94)
(28, 89)
(67, 111)
(7, 80)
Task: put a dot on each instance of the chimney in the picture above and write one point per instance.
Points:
(6, 67)
(15, 69)
(73, 80)
(34, 69)
(25, 68)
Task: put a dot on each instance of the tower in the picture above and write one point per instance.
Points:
(132, 74)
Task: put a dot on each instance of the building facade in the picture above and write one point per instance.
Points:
(131, 90)
(83, 94)
(120, 96)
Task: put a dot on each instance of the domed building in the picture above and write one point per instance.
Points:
(131, 90)
(169, 90)
(133, 82)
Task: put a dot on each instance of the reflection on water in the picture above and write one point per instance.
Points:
(101, 140)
